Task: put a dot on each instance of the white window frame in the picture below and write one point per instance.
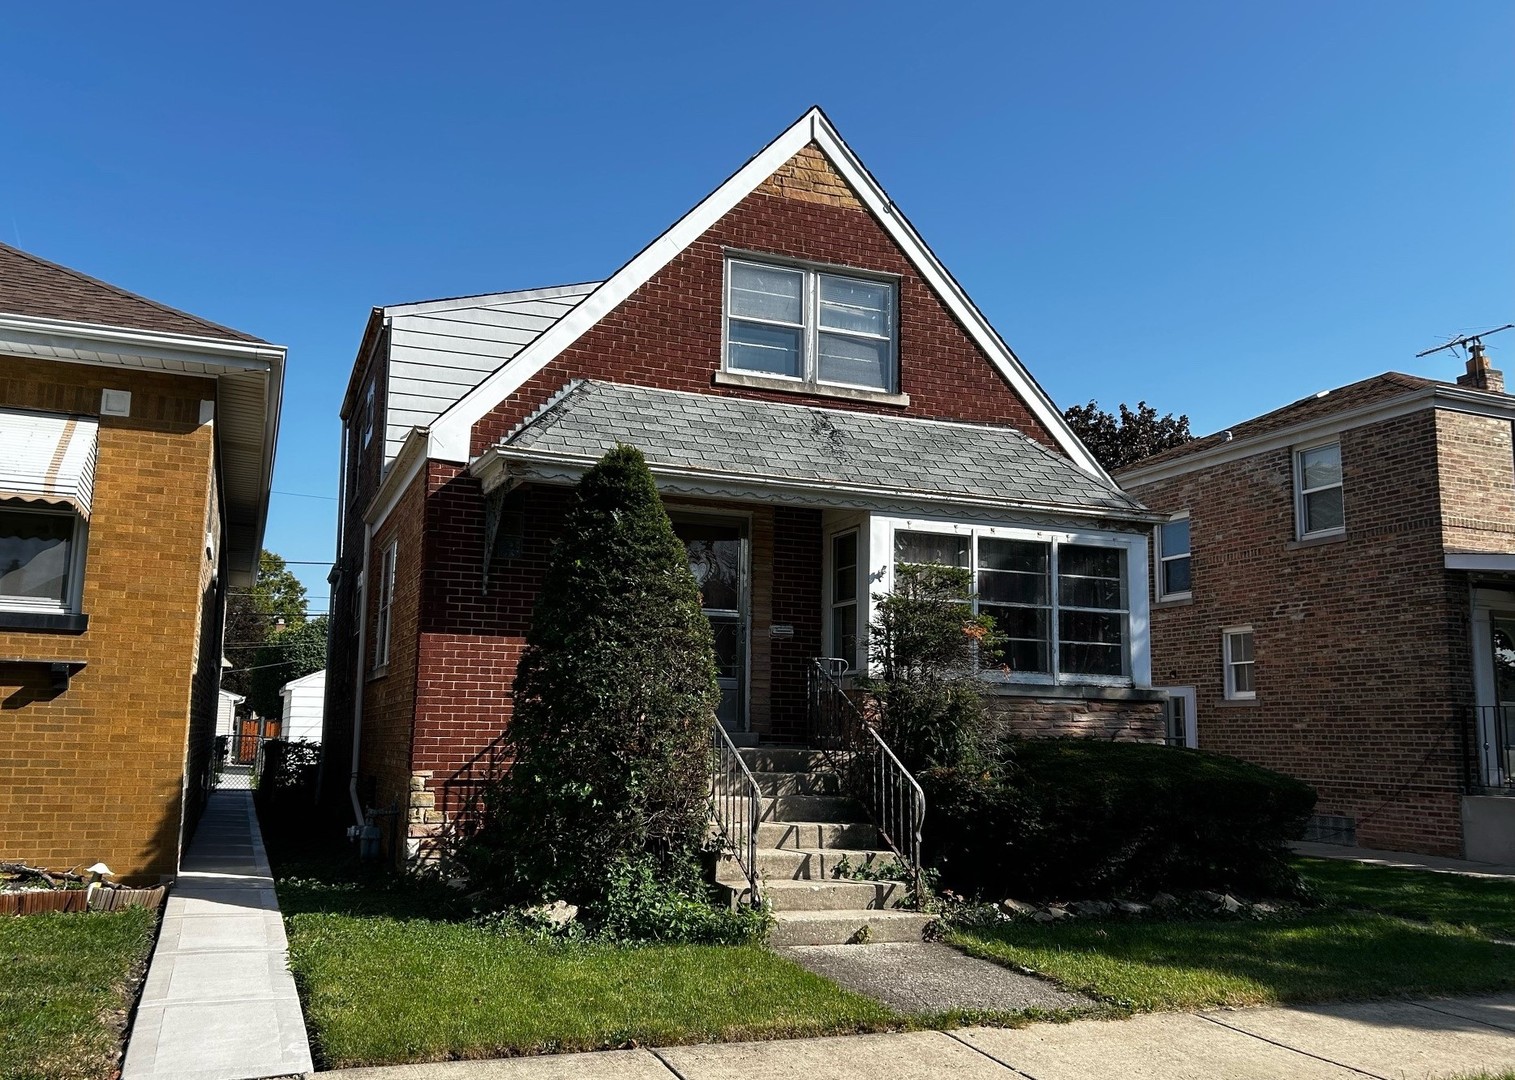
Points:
(1137, 659)
(810, 328)
(1187, 695)
(1160, 563)
(386, 600)
(1302, 530)
(857, 603)
(73, 600)
(1230, 665)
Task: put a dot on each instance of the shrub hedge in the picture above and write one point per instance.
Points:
(1075, 818)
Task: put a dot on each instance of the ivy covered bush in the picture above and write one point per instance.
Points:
(928, 646)
(605, 803)
(1081, 819)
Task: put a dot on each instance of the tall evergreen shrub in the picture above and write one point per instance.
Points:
(614, 700)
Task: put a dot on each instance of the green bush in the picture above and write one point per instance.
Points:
(286, 792)
(614, 700)
(1075, 818)
(928, 647)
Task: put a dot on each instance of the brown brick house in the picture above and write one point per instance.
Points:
(136, 448)
(817, 399)
(1334, 597)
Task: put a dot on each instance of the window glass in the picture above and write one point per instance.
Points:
(844, 567)
(770, 293)
(36, 550)
(1320, 490)
(1321, 467)
(1323, 510)
(854, 361)
(1240, 664)
(1173, 557)
(939, 549)
(771, 350)
(861, 307)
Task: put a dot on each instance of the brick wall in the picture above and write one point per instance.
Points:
(668, 332)
(97, 771)
(1476, 468)
(1361, 643)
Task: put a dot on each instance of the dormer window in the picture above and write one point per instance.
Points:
(811, 326)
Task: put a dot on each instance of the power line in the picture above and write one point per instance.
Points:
(304, 495)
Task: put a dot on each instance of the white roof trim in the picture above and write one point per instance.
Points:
(47, 458)
(504, 466)
(484, 300)
(451, 432)
(1491, 562)
(398, 475)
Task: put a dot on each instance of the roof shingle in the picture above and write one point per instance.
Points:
(746, 437)
(34, 287)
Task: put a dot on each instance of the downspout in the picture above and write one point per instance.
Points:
(357, 694)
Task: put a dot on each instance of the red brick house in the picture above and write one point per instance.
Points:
(1334, 597)
(817, 399)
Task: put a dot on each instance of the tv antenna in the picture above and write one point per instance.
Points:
(1466, 340)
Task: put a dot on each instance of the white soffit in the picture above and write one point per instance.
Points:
(48, 459)
(452, 431)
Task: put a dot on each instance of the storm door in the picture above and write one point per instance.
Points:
(718, 558)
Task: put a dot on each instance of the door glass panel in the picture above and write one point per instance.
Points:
(715, 559)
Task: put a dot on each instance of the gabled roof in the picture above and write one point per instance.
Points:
(33, 286)
(450, 434)
(720, 440)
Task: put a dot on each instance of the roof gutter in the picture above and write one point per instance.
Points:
(494, 470)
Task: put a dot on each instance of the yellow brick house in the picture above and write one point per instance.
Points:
(136, 452)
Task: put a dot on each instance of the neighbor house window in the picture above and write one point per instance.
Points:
(1317, 484)
(810, 325)
(386, 603)
(1062, 605)
(38, 559)
(369, 411)
(1239, 663)
(1173, 559)
(844, 597)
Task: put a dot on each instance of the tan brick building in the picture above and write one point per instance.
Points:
(818, 401)
(136, 450)
(1334, 597)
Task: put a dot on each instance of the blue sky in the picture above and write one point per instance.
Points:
(1215, 207)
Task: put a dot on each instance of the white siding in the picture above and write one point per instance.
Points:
(226, 712)
(304, 703)
(439, 351)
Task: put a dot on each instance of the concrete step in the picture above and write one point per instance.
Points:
(833, 895)
(796, 783)
(781, 864)
(832, 808)
(740, 739)
(816, 835)
(783, 759)
(841, 927)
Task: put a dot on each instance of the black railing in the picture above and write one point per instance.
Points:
(1494, 734)
(736, 803)
(866, 768)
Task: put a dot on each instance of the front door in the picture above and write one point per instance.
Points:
(718, 559)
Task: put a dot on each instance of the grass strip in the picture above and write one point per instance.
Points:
(383, 990)
(1193, 965)
(67, 990)
(1486, 904)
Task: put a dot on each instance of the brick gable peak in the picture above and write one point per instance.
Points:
(808, 161)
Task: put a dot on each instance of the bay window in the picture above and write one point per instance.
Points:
(1061, 602)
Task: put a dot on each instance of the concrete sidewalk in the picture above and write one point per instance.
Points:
(1382, 1041)
(219, 1002)
(1405, 860)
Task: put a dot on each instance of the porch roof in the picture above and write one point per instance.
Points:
(832, 450)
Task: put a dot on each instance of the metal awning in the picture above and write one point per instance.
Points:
(47, 458)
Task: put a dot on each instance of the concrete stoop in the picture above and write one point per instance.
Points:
(806, 832)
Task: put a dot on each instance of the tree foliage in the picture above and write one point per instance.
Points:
(614, 700)
(1137, 434)
(928, 647)
(253, 615)
(290, 653)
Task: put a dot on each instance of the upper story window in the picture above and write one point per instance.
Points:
(1318, 506)
(811, 325)
(369, 410)
(1062, 605)
(39, 551)
(1173, 558)
(386, 603)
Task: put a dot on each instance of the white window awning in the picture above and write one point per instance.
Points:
(47, 458)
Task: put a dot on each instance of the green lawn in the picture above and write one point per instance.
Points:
(66, 985)
(1485, 904)
(1380, 933)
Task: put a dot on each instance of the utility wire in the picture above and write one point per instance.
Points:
(304, 495)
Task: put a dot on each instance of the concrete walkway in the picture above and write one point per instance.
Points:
(1382, 1041)
(1405, 860)
(219, 1002)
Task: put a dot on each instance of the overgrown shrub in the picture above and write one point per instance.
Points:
(1076, 818)
(286, 791)
(928, 647)
(614, 699)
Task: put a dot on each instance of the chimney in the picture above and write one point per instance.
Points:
(1479, 375)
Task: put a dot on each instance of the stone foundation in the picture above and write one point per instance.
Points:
(425, 825)
(1137, 718)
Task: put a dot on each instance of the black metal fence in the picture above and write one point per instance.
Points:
(1494, 727)
(238, 761)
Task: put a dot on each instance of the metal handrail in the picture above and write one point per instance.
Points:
(732, 783)
(1494, 727)
(867, 768)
